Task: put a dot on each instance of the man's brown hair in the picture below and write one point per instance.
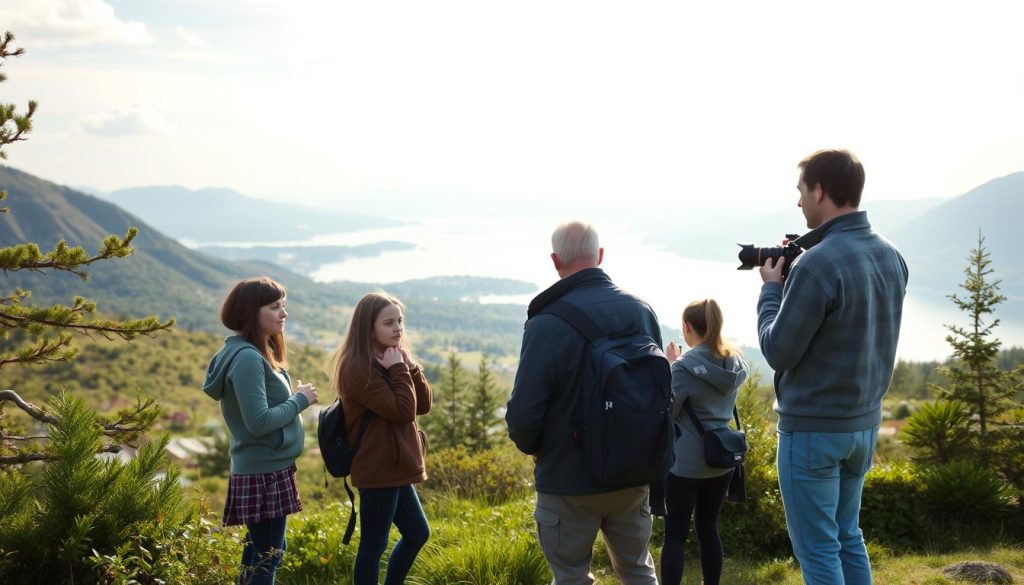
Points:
(839, 173)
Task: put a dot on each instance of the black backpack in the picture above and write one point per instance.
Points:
(624, 416)
(338, 453)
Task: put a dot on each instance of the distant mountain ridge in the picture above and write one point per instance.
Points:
(714, 236)
(161, 277)
(937, 242)
(164, 277)
(935, 236)
(215, 215)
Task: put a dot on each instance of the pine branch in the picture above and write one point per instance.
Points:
(41, 456)
(128, 425)
(25, 438)
(47, 350)
(63, 257)
(32, 410)
(13, 127)
(68, 320)
(6, 50)
(131, 422)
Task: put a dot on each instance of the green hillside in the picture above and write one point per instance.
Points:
(165, 278)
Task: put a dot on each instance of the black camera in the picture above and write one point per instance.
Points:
(751, 255)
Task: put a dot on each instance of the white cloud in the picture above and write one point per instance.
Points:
(190, 39)
(57, 23)
(137, 119)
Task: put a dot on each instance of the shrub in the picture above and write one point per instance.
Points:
(79, 504)
(495, 475)
(902, 411)
(756, 528)
(473, 543)
(315, 553)
(964, 493)
(938, 432)
(199, 551)
(483, 560)
(894, 511)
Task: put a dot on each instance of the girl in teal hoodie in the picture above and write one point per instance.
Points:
(249, 377)
(708, 377)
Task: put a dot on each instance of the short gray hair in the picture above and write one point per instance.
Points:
(574, 241)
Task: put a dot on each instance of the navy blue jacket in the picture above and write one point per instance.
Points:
(542, 411)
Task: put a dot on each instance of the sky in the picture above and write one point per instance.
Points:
(589, 103)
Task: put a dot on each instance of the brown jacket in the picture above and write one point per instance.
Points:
(393, 449)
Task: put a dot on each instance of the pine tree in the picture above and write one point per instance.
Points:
(446, 423)
(975, 379)
(482, 413)
(55, 515)
(34, 334)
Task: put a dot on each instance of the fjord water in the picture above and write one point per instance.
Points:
(519, 249)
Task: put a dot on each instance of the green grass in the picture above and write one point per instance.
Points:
(473, 543)
(887, 570)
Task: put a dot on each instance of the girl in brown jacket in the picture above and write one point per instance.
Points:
(374, 372)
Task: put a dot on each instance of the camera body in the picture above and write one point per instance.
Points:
(751, 255)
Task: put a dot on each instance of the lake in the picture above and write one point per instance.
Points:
(519, 249)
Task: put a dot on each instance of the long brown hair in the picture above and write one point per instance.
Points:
(241, 313)
(358, 351)
(706, 319)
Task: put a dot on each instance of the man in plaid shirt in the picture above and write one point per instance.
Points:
(830, 332)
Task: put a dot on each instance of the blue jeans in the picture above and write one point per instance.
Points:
(821, 476)
(378, 509)
(264, 545)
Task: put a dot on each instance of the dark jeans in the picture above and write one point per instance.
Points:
(264, 545)
(702, 499)
(378, 509)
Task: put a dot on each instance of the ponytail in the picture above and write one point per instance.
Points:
(706, 319)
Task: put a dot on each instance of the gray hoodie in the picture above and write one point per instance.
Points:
(710, 385)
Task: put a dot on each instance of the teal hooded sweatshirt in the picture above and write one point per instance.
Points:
(258, 406)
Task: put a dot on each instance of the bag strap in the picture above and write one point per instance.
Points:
(352, 515)
(364, 422)
(576, 319)
(585, 326)
(700, 426)
(693, 416)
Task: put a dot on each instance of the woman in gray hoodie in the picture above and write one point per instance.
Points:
(707, 377)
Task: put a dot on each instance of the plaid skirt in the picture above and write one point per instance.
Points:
(256, 497)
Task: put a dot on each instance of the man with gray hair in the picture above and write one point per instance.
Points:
(572, 503)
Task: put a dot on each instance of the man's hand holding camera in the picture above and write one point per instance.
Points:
(771, 270)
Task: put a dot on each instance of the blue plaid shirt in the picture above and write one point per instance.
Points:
(830, 332)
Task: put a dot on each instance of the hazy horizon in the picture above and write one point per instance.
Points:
(566, 106)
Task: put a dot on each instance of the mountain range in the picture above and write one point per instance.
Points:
(222, 215)
(935, 236)
(167, 278)
(937, 242)
(164, 277)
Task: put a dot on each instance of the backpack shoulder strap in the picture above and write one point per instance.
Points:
(576, 319)
(351, 528)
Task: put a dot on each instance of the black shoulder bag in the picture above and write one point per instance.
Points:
(724, 448)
